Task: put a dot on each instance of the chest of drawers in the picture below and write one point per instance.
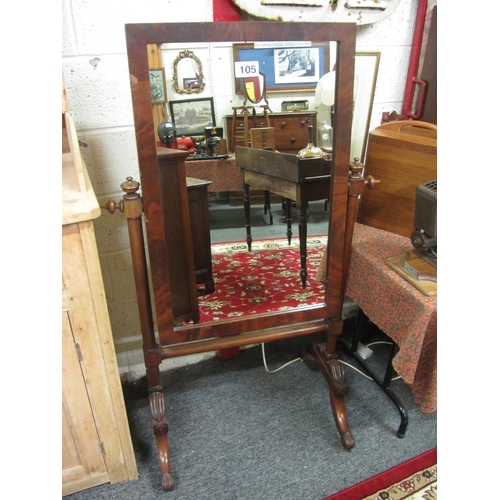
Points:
(290, 129)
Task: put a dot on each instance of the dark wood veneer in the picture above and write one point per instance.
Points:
(344, 193)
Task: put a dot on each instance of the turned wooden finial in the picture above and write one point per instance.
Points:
(356, 166)
(130, 186)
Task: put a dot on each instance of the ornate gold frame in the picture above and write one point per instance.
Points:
(189, 55)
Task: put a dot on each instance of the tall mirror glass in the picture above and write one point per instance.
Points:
(182, 52)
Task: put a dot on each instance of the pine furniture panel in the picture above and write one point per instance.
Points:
(96, 442)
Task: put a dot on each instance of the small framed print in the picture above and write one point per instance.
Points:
(157, 84)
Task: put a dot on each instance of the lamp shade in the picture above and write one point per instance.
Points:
(325, 90)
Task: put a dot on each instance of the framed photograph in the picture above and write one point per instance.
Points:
(191, 83)
(365, 80)
(157, 84)
(191, 116)
(285, 68)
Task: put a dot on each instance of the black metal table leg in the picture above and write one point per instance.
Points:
(384, 384)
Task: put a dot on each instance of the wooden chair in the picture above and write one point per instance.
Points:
(254, 91)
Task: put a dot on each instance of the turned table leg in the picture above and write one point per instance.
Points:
(288, 219)
(303, 242)
(246, 204)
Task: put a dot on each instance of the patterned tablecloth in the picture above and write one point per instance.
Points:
(223, 173)
(398, 308)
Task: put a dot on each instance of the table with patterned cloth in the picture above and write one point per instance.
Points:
(398, 308)
(223, 173)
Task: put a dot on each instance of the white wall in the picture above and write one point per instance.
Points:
(95, 70)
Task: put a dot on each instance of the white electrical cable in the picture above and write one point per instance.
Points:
(356, 370)
(277, 369)
(388, 343)
(300, 359)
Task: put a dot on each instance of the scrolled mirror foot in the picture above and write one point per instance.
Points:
(347, 441)
(167, 482)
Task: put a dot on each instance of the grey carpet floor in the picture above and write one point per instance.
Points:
(240, 433)
(228, 223)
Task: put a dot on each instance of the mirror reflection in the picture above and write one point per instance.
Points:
(241, 111)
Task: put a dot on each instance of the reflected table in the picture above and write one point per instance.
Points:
(288, 176)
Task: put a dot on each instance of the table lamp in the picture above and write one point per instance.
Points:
(324, 99)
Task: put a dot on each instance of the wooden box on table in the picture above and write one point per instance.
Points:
(401, 155)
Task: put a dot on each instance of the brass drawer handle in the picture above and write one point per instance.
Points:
(283, 124)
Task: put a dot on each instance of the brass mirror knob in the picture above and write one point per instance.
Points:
(370, 181)
(111, 206)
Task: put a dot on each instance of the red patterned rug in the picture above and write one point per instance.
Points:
(414, 479)
(267, 279)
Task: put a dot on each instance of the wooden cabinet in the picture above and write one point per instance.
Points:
(96, 442)
(290, 129)
(173, 199)
(200, 229)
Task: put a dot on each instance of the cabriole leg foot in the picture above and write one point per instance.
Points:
(334, 374)
(160, 428)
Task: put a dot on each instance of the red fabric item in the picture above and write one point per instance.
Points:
(225, 10)
(387, 478)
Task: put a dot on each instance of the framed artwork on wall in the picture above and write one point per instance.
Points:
(285, 67)
(191, 116)
(157, 84)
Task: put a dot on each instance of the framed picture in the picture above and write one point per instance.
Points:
(285, 68)
(191, 116)
(365, 80)
(157, 84)
(191, 83)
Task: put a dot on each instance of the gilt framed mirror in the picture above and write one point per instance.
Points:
(341, 38)
(188, 73)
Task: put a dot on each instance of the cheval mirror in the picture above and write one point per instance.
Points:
(160, 166)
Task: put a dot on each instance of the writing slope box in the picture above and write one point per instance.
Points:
(294, 105)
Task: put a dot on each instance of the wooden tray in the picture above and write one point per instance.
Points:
(421, 267)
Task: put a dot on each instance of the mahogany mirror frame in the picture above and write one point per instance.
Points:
(241, 331)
